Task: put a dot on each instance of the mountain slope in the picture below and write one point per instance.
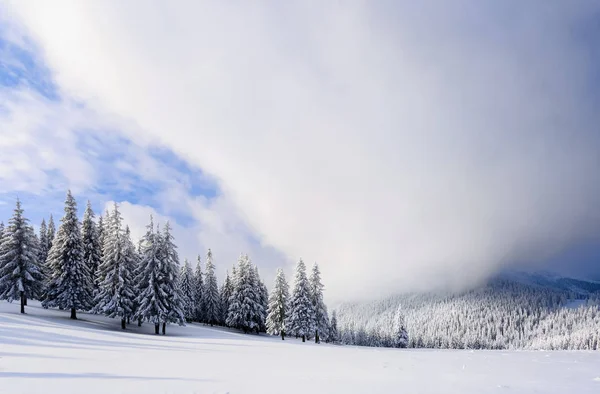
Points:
(512, 311)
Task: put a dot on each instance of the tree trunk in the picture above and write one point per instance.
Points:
(164, 328)
(317, 339)
(22, 303)
(123, 323)
(139, 322)
(128, 320)
(303, 338)
(25, 300)
(156, 328)
(73, 314)
(282, 336)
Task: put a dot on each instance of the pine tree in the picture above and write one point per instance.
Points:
(316, 293)
(100, 235)
(243, 304)
(226, 292)
(211, 293)
(151, 299)
(91, 244)
(70, 286)
(170, 280)
(198, 291)
(302, 316)
(333, 330)
(20, 275)
(116, 290)
(278, 303)
(186, 288)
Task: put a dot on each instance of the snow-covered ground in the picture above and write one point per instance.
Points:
(45, 352)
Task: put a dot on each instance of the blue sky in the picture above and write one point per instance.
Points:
(387, 141)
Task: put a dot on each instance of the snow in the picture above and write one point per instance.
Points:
(44, 351)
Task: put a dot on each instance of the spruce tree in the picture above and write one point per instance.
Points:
(20, 274)
(243, 304)
(316, 293)
(263, 301)
(198, 291)
(302, 316)
(70, 285)
(211, 293)
(151, 299)
(186, 288)
(100, 234)
(116, 290)
(333, 330)
(92, 248)
(43, 250)
(278, 303)
(401, 335)
(225, 294)
(51, 232)
(170, 280)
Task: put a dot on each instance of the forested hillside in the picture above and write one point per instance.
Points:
(510, 312)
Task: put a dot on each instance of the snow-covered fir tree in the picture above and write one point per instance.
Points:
(263, 300)
(174, 312)
(333, 336)
(100, 233)
(116, 289)
(401, 335)
(92, 248)
(198, 291)
(316, 294)
(225, 294)
(186, 288)
(301, 319)
(151, 297)
(70, 286)
(20, 274)
(51, 234)
(244, 302)
(210, 299)
(43, 244)
(278, 303)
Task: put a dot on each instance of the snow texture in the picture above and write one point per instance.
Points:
(44, 351)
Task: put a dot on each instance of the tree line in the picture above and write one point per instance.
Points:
(94, 266)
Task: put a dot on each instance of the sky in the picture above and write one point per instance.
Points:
(401, 146)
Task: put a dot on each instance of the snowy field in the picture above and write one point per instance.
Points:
(45, 352)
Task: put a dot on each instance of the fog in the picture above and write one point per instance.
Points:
(401, 146)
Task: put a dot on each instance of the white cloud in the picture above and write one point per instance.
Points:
(400, 148)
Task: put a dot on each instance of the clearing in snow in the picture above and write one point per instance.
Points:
(44, 351)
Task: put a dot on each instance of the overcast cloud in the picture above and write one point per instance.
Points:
(402, 146)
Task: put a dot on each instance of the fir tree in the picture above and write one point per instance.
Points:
(226, 292)
(43, 250)
(333, 330)
(243, 304)
(186, 288)
(198, 291)
(278, 303)
(263, 300)
(210, 300)
(316, 293)
(170, 280)
(151, 298)
(20, 275)
(401, 335)
(116, 290)
(302, 316)
(91, 244)
(70, 286)
(51, 232)
(100, 236)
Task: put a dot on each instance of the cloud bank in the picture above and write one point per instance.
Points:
(403, 147)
